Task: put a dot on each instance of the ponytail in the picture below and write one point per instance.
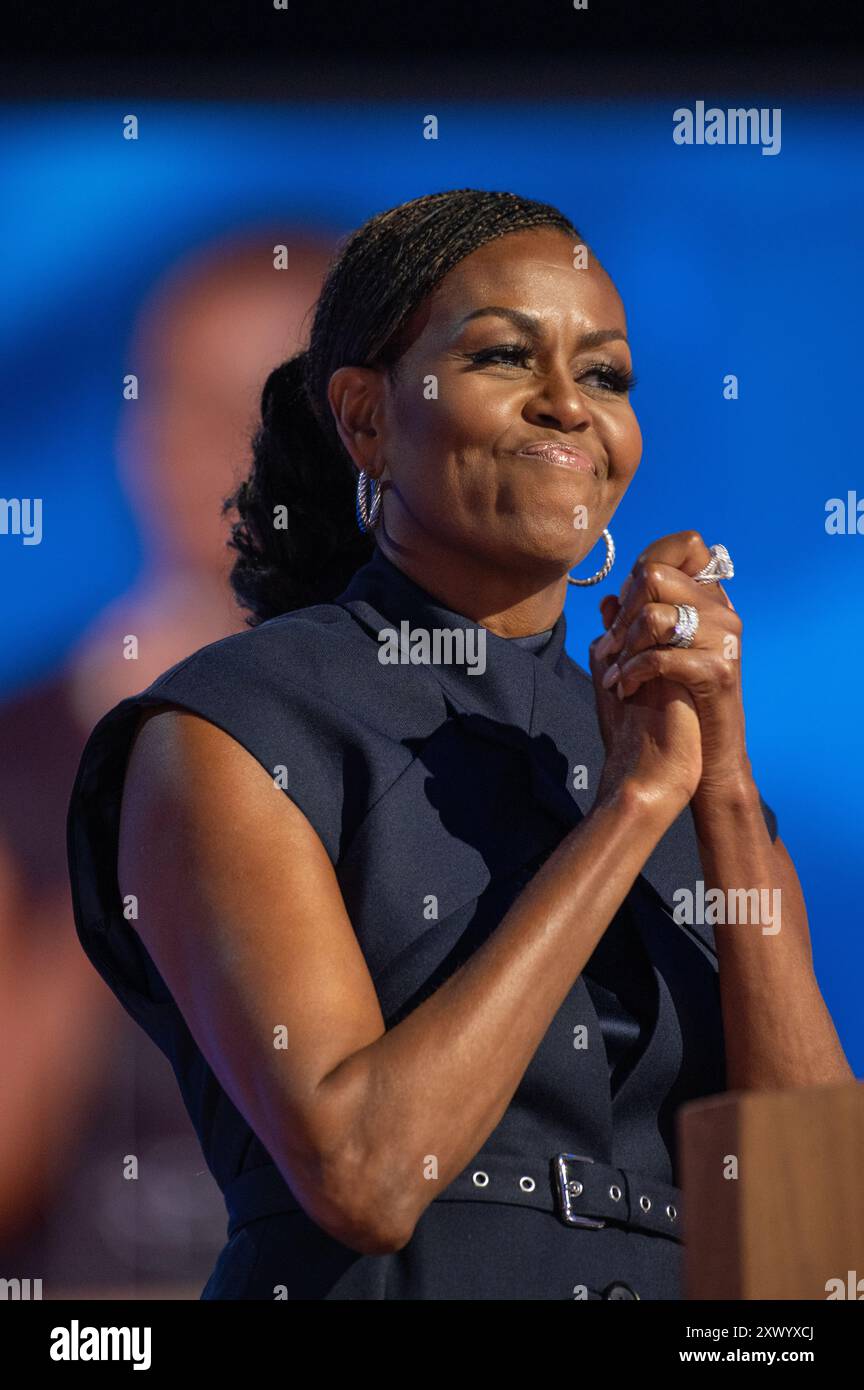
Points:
(297, 537)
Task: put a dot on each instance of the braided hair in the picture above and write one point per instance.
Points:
(385, 269)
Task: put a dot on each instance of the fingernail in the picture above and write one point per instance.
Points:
(610, 677)
(620, 691)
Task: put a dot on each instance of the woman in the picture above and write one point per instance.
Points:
(388, 877)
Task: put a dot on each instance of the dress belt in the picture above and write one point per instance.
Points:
(578, 1190)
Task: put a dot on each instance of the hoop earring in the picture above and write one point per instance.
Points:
(367, 516)
(605, 568)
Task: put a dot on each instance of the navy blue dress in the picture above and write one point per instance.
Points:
(438, 789)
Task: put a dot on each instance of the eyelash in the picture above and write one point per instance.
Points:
(618, 382)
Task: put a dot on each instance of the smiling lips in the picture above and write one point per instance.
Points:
(562, 455)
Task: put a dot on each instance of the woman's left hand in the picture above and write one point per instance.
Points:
(642, 620)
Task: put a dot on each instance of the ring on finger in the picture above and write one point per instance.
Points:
(686, 627)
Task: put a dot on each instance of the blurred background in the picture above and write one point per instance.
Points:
(154, 257)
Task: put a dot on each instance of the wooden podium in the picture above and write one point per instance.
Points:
(773, 1193)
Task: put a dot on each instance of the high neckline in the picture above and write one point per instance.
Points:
(533, 641)
(399, 596)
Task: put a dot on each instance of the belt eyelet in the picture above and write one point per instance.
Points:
(527, 1184)
(480, 1179)
(645, 1203)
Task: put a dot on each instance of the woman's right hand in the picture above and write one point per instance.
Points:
(652, 739)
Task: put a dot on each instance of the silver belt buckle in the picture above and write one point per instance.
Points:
(568, 1189)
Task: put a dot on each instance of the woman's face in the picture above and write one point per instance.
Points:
(514, 347)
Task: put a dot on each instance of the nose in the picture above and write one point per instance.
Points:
(558, 403)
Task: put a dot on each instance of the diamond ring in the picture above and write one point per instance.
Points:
(686, 627)
(719, 567)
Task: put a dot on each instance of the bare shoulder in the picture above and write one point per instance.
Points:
(169, 741)
(197, 805)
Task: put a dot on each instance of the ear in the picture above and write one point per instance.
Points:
(355, 395)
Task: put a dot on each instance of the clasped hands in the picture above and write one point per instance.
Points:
(641, 621)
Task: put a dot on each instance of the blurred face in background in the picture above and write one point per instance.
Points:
(203, 350)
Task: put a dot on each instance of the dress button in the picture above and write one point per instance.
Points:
(619, 1290)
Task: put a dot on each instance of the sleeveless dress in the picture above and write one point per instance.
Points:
(438, 782)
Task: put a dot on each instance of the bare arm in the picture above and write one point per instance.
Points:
(241, 911)
(777, 1028)
(778, 1031)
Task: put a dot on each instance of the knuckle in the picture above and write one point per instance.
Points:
(641, 570)
(726, 674)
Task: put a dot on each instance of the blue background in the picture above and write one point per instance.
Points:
(728, 262)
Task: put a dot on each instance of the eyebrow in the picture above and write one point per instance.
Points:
(530, 325)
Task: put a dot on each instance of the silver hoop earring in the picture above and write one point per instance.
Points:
(606, 567)
(367, 516)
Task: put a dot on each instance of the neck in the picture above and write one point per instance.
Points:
(510, 604)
